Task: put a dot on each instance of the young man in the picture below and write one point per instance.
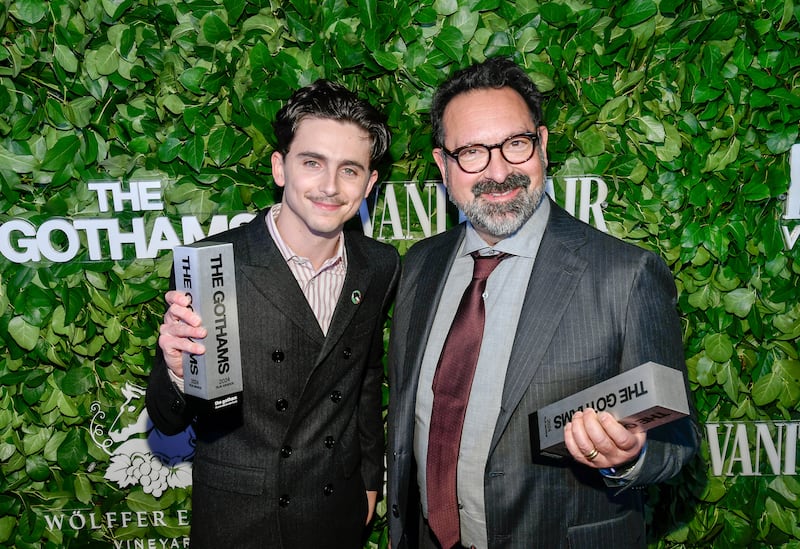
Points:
(301, 466)
(565, 308)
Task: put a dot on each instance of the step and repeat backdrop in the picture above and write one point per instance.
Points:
(129, 127)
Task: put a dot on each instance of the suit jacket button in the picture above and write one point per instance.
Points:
(328, 490)
(284, 500)
(336, 396)
(176, 406)
(395, 511)
(347, 352)
(277, 355)
(282, 405)
(286, 451)
(329, 442)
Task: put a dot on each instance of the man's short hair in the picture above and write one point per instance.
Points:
(328, 100)
(494, 73)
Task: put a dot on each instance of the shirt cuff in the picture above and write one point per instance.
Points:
(178, 381)
(624, 474)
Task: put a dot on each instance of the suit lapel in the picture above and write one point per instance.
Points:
(554, 278)
(428, 281)
(355, 289)
(264, 266)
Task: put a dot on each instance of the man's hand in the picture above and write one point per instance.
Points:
(372, 500)
(600, 441)
(180, 324)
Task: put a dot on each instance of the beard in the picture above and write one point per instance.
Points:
(502, 220)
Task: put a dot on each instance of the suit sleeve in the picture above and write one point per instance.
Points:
(166, 405)
(653, 332)
(370, 407)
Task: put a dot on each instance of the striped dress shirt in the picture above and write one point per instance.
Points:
(321, 287)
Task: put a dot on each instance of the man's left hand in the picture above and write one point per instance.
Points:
(600, 441)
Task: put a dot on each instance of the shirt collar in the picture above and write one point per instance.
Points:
(286, 251)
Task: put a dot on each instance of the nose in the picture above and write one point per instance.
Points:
(498, 168)
(328, 184)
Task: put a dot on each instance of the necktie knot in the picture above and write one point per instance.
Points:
(485, 264)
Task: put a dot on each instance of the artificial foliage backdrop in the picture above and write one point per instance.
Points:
(686, 108)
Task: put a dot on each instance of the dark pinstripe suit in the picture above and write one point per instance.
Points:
(594, 307)
(293, 472)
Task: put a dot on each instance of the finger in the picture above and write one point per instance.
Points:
(579, 443)
(597, 434)
(181, 298)
(173, 345)
(182, 329)
(177, 314)
(621, 437)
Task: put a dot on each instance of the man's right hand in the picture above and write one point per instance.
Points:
(180, 324)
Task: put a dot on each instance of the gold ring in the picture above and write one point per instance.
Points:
(591, 455)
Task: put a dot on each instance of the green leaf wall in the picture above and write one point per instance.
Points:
(687, 109)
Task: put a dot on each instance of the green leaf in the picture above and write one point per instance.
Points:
(220, 143)
(215, 29)
(598, 92)
(72, 451)
(634, 12)
(169, 149)
(767, 389)
(718, 347)
(16, 162)
(723, 157)
(105, 60)
(192, 79)
(451, 42)
(113, 330)
(25, 335)
(739, 302)
(30, 11)
(779, 142)
(78, 381)
(62, 154)
(83, 489)
(7, 525)
(193, 152)
(653, 129)
(37, 468)
(66, 58)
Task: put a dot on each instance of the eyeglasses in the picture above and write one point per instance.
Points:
(515, 150)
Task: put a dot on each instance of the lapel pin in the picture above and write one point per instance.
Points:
(355, 297)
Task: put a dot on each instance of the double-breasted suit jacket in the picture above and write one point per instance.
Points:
(594, 307)
(293, 469)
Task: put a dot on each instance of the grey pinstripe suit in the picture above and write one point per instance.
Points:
(293, 471)
(594, 307)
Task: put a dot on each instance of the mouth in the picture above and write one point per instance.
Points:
(327, 204)
(501, 194)
(497, 191)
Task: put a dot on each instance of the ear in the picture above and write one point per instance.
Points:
(543, 145)
(373, 178)
(277, 169)
(441, 161)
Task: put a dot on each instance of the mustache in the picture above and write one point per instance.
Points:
(327, 199)
(513, 181)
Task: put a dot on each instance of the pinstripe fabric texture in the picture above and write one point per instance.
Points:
(594, 307)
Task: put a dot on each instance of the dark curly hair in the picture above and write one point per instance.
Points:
(494, 73)
(332, 101)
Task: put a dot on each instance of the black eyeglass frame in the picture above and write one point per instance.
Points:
(533, 136)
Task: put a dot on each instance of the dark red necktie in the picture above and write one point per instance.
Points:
(451, 387)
